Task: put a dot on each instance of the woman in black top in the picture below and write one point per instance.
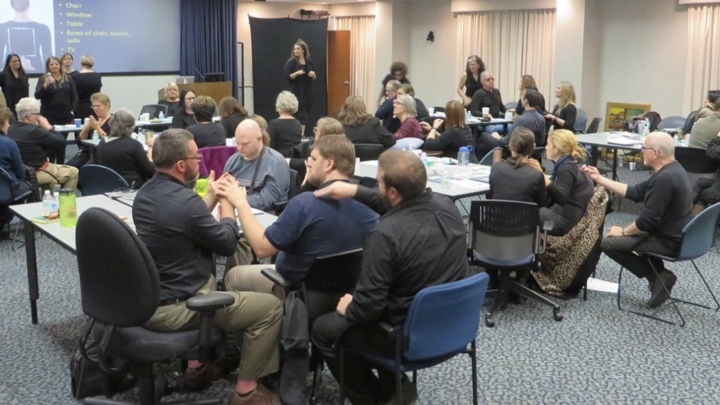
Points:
(565, 112)
(285, 132)
(232, 113)
(519, 178)
(123, 154)
(87, 83)
(14, 81)
(527, 82)
(67, 63)
(456, 133)
(206, 132)
(362, 127)
(569, 189)
(470, 80)
(172, 99)
(184, 117)
(57, 93)
(300, 72)
(101, 109)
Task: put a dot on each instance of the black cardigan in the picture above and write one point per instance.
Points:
(58, 103)
(569, 195)
(450, 141)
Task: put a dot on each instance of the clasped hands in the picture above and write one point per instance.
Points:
(227, 188)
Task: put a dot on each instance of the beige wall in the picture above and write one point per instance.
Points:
(569, 31)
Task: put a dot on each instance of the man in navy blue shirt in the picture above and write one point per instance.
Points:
(309, 227)
(10, 159)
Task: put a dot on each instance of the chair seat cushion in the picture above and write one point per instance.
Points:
(137, 344)
(521, 263)
(405, 364)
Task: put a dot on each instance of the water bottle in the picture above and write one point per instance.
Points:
(141, 136)
(68, 208)
(646, 128)
(464, 155)
(161, 116)
(96, 136)
(55, 202)
(47, 203)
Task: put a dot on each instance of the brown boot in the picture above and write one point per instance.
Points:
(259, 396)
(198, 379)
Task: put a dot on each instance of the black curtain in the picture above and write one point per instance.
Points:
(272, 43)
(208, 39)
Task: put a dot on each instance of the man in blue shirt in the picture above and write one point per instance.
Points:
(10, 159)
(309, 227)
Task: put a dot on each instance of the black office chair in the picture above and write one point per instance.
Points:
(120, 291)
(439, 109)
(295, 185)
(594, 125)
(671, 122)
(98, 179)
(506, 236)
(689, 122)
(511, 105)
(368, 151)
(487, 160)
(328, 279)
(580, 121)
(369, 182)
(7, 199)
(154, 110)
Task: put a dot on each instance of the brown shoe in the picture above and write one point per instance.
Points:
(198, 379)
(259, 396)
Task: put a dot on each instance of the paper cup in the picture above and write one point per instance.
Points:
(508, 116)
(78, 122)
(486, 110)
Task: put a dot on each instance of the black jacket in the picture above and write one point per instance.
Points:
(569, 195)
(36, 143)
(58, 102)
(13, 89)
(450, 141)
(127, 157)
(372, 132)
(493, 101)
(182, 120)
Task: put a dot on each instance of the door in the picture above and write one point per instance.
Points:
(338, 57)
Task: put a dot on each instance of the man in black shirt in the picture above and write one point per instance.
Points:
(419, 242)
(487, 97)
(666, 210)
(181, 234)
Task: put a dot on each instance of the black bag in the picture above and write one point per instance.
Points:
(87, 376)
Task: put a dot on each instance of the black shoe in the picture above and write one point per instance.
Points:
(409, 393)
(198, 379)
(659, 296)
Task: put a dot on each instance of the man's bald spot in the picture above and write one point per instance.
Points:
(663, 142)
(248, 128)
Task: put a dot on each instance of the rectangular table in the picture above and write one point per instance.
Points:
(159, 124)
(65, 237)
(453, 191)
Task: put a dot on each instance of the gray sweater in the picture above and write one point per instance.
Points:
(273, 178)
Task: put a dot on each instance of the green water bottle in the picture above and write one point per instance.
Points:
(68, 208)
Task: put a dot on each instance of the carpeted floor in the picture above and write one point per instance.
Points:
(597, 355)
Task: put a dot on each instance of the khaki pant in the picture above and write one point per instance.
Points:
(249, 278)
(68, 176)
(258, 316)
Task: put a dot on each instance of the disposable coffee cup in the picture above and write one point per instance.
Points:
(632, 166)
(431, 111)
(485, 111)
(508, 115)
(78, 122)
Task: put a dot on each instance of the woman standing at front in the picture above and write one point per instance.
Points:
(14, 81)
(87, 82)
(300, 71)
(470, 80)
(57, 93)
(565, 112)
(67, 63)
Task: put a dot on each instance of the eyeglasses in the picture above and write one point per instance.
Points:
(97, 106)
(644, 148)
(198, 158)
(190, 98)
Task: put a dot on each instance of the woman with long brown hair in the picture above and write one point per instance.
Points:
(57, 93)
(470, 79)
(232, 113)
(361, 126)
(300, 72)
(455, 135)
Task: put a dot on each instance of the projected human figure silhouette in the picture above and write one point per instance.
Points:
(25, 37)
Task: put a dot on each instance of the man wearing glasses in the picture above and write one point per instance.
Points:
(666, 210)
(182, 235)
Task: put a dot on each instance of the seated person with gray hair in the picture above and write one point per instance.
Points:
(285, 132)
(120, 152)
(261, 170)
(665, 211)
(39, 144)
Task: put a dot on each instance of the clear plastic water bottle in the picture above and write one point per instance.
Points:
(141, 136)
(161, 116)
(55, 202)
(464, 156)
(47, 203)
(646, 128)
(96, 136)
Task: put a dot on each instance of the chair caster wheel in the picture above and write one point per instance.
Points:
(557, 315)
(489, 322)
(313, 400)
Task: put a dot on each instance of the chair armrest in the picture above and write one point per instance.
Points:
(209, 302)
(276, 277)
(389, 329)
(279, 206)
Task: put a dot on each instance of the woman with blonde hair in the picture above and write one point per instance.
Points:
(569, 189)
(263, 124)
(361, 126)
(285, 131)
(172, 99)
(565, 112)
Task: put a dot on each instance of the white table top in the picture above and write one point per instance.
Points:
(617, 140)
(460, 183)
(148, 124)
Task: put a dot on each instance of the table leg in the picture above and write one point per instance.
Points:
(594, 152)
(29, 231)
(614, 165)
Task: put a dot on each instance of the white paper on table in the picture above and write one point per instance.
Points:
(623, 141)
(370, 162)
(602, 285)
(469, 184)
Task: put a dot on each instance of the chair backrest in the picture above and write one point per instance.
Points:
(368, 151)
(487, 160)
(439, 109)
(511, 104)
(672, 122)
(594, 125)
(369, 182)
(6, 194)
(689, 122)
(581, 121)
(215, 158)
(695, 160)
(504, 230)
(699, 234)
(329, 278)
(98, 179)
(294, 184)
(443, 319)
(119, 284)
(154, 110)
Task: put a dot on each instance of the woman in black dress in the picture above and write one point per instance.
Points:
(300, 72)
(87, 82)
(470, 80)
(14, 81)
(57, 93)
(184, 116)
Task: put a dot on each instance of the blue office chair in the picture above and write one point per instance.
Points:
(580, 121)
(7, 199)
(97, 179)
(511, 105)
(698, 237)
(671, 122)
(429, 336)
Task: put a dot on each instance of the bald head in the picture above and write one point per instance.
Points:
(403, 171)
(248, 136)
(663, 143)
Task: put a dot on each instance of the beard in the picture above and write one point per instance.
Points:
(190, 176)
(315, 180)
(385, 198)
